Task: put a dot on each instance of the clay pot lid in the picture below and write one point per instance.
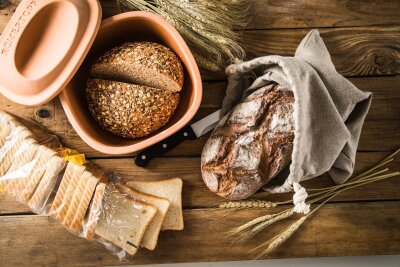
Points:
(43, 46)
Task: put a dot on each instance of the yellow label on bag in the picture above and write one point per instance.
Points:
(72, 155)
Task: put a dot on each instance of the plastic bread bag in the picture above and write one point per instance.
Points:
(74, 194)
(33, 163)
(26, 157)
(117, 220)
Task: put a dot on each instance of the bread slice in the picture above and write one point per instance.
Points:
(47, 184)
(21, 167)
(170, 189)
(75, 216)
(5, 127)
(66, 189)
(76, 198)
(143, 63)
(94, 212)
(27, 186)
(123, 220)
(150, 237)
(10, 147)
(18, 139)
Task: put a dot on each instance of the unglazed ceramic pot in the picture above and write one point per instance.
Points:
(43, 45)
(131, 26)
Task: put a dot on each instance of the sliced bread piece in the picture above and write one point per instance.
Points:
(66, 189)
(47, 184)
(77, 220)
(21, 167)
(143, 63)
(170, 189)
(76, 198)
(10, 147)
(40, 163)
(18, 140)
(94, 211)
(150, 237)
(123, 220)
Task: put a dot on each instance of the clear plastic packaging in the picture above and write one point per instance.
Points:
(58, 182)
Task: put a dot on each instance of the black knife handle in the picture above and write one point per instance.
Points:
(165, 145)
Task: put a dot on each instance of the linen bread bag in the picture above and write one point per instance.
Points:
(285, 111)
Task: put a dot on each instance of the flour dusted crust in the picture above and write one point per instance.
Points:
(251, 144)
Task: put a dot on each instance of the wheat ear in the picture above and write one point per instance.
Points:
(278, 240)
(247, 204)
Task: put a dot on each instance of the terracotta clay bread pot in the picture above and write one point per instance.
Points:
(136, 88)
(251, 144)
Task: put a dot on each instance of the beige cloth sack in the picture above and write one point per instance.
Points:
(329, 111)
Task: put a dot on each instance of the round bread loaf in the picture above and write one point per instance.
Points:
(251, 144)
(143, 63)
(129, 110)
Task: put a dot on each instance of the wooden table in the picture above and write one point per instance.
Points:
(363, 38)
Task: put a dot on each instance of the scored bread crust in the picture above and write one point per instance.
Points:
(143, 63)
(150, 237)
(129, 110)
(251, 144)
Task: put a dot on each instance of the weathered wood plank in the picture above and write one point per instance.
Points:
(381, 131)
(335, 230)
(359, 51)
(272, 14)
(196, 194)
(354, 51)
(269, 14)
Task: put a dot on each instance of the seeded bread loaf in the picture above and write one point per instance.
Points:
(135, 89)
(251, 144)
(129, 110)
(143, 63)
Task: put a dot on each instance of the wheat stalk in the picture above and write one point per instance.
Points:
(206, 25)
(247, 204)
(248, 230)
(267, 247)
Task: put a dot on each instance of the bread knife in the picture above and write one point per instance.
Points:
(189, 132)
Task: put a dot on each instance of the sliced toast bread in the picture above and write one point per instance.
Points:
(21, 167)
(92, 218)
(47, 184)
(76, 198)
(123, 220)
(40, 163)
(65, 191)
(170, 189)
(150, 237)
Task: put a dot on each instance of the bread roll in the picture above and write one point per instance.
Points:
(129, 110)
(251, 144)
(143, 63)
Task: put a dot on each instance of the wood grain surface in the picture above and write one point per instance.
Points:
(363, 38)
(337, 229)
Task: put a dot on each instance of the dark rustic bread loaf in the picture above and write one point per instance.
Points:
(143, 63)
(129, 110)
(251, 144)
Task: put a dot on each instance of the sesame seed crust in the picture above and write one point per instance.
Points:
(129, 110)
